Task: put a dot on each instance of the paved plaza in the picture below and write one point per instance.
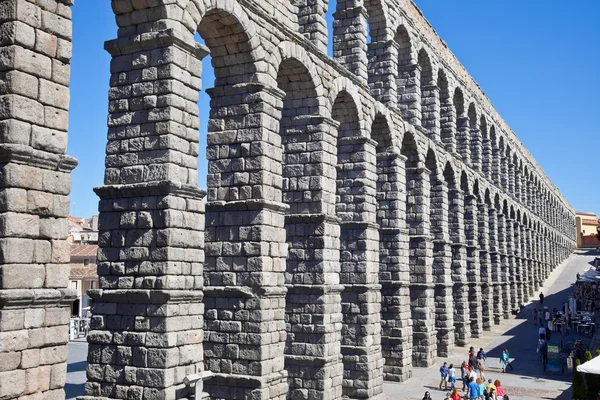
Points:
(526, 382)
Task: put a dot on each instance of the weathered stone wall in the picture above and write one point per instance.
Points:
(364, 215)
(35, 180)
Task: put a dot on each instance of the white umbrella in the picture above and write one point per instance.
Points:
(590, 367)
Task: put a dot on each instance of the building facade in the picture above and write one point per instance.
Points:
(587, 224)
(364, 214)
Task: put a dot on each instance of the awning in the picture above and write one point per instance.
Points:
(591, 275)
(590, 367)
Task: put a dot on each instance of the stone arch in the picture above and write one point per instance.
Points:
(292, 51)
(517, 175)
(350, 97)
(474, 137)
(447, 113)
(429, 108)
(381, 133)
(220, 24)
(486, 149)
(495, 157)
(461, 126)
(406, 83)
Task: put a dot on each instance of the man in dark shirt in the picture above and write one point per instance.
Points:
(542, 298)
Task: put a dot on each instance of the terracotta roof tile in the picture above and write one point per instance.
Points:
(79, 271)
(84, 250)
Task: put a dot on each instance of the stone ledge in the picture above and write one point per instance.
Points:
(145, 296)
(314, 360)
(246, 380)
(311, 218)
(244, 291)
(156, 188)
(153, 40)
(246, 205)
(22, 154)
(314, 289)
(36, 297)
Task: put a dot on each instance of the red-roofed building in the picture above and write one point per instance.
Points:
(84, 276)
(587, 224)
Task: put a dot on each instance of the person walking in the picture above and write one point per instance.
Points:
(482, 354)
(535, 316)
(481, 367)
(464, 374)
(542, 332)
(427, 396)
(472, 362)
(451, 376)
(542, 299)
(444, 376)
(544, 353)
(508, 363)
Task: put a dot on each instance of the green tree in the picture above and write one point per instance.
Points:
(579, 390)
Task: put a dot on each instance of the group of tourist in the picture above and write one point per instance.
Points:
(550, 322)
(586, 296)
(472, 373)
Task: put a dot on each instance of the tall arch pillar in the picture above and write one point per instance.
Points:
(473, 271)
(495, 267)
(147, 325)
(383, 71)
(409, 99)
(313, 301)
(350, 37)
(519, 276)
(359, 262)
(485, 276)
(511, 265)
(460, 290)
(312, 24)
(420, 261)
(35, 181)
(396, 323)
(463, 138)
(442, 276)
(503, 278)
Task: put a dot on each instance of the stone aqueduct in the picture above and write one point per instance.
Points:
(364, 214)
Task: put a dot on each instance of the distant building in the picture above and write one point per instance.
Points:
(83, 235)
(82, 230)
(586, 229)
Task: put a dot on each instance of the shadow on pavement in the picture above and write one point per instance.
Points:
(73, 390)
(78, 366)
(523, 342)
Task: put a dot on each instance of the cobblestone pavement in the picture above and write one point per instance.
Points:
(526, 382)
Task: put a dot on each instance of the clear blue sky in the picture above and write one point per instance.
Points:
(537, 60)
